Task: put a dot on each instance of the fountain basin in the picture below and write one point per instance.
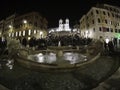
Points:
(56, 59)
(69, 61)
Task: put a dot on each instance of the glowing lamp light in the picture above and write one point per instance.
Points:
(29, 38)
(23, 33)
(25, 21)
(9, 34)
(74, 30)
(107, 40)
(41, 33)
(12, 34)
(3, 39)
(19, 33)
(40, 54)
(16, 33)
(10, 26)
(35, 31)
(86, 32)
(29, 32)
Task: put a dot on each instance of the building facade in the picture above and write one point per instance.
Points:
(101, 21)
(1, 27)
(63, 29)
(24, 26)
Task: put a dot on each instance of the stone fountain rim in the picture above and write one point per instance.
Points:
(46, 67)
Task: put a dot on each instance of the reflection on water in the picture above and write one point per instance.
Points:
(43, 58)
(72, 57)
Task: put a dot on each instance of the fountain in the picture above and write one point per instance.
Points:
(71, 57)
(63, 57)
(59, 44)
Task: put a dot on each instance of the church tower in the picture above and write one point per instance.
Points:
(66, 26)
(60, 25)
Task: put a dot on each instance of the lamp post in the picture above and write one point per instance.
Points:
(10, 30)
(25, 23)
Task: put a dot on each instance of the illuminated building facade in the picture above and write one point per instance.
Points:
(25, 26)
(63, 29)
(101, 21)
(1, 27)
(63, 26)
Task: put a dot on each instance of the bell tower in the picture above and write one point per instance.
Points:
(67, 28)
(60, 25)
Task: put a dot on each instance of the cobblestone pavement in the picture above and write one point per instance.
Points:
(83, 78)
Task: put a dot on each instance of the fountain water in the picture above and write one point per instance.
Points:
(59, 44)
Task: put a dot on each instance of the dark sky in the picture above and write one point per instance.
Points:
(53, 10)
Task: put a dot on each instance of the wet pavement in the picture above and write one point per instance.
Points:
(113, 82)
(84, 78)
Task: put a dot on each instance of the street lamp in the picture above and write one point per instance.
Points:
(24, 21)
(10, 26)
(41, 34)
(10, 29)
(107, 40)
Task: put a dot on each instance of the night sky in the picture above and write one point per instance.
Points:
(53, 10)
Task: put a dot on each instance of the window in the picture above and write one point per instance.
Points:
(19, 33)
(93, 29)
(111, 30)
(29, 32)
(9, 34)
(35, 31)
(93, 21)
(118, 24)
(112, 14)
(100, 29)
(98, 20)
(97, 12)
(111, 22)
(114, 10)
(12, 34)
(88, 25)
(108, 14)
(119, 31)
(16, 34)
(110, 9)
(107, 29)
(23, 33)
(115, 30)
(35, 24)
(87, 17)
(116, 16)
(104, 13)
(91, 13)
(106, 21)
(119, 16)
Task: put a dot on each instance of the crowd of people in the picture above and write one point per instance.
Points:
(109, 47)
(53, 40)
(3, 45)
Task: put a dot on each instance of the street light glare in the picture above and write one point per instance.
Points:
(25, 21)
(10, 26)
